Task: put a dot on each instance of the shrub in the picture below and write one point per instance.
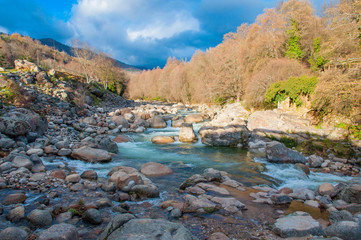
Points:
(293, 88)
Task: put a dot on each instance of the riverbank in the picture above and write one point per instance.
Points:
(88, 171)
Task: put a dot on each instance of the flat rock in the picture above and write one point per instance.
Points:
(153, 169)
(162, 140)
(298, 224)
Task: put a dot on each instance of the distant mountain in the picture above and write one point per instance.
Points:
(69, 50)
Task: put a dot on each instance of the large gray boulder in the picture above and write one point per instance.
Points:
(120, 120)
(298, 224)
(187, 134)
(61, 231)
(107, 144)
(351, 193)
(347, 230)
(118, 221)
(20, 121)
(277, 152)
(157, 122)
(91, 155)
(40, 218)
(229, 136)
(151, 229)
(13, 233)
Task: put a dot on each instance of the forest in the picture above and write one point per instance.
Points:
(289, 51)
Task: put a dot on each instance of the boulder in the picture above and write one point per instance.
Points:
(92, 216)
(187, 134)
(157, 122)
(177, 123)
(162, 140)
(13, 233)
(120, 120)
(347, 230)
(89, 174)
(6, 143)
(14, 198)
(326, 189)
(58, 174)
(90, 121)
(298, 224)
(61, 231)
(145, 191)
(351, 193)
(117, 222)
(22, 161)
(73, 178)
(20, 121)
(16, 214)
(121, 139)
(194, 118)
(278, 153)
(91, 155)
(229, 136)
(315, 161)
(107, 144)
(153, 169)
(151, 229)
(26, 65)
(40, 218)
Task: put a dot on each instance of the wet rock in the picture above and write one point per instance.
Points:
(193, 180)
(121, 139)
(37, 151)
(73, 178)
(153, 169)
(157, 122)
(61, 231)
(162, 140)
(229, 136)
(117, 222)
(230, 204)
(77, 187)
(22, 161)
(6, 143)
(14, 198)
(50, 149)
(303, 167)
(302, 193)
(16, 214)
(64, 152)
(312, 203)
(194, 118)
(92, 216)
(199, 203)
(89, 174)
(213, 188)
(40, 218)
(187, 134)
(277, 152)
(315, 161)
(326, 189)
(107, 144)
(151, 229)
(91, 155)
(177, 123)
(298, 224)
(109, 187)
(146, 191)
(13, 233)
(103, 202)
(280, 199)
(347, 230)
(64, 217)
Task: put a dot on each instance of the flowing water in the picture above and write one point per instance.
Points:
(189, 159)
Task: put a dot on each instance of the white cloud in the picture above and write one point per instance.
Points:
(3, 30)
(161, 29)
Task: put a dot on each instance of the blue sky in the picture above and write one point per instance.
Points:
(137, 32)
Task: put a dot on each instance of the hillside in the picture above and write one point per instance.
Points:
(69, 50)
(289, 52)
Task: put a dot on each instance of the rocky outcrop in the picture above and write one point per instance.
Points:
(21, 121)
(298, 224)
(91, 155)
(229, 136)
(187, 134)
(277, 152)
(26, 65)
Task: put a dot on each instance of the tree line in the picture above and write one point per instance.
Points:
(286, 42)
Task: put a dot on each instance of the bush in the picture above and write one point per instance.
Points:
(293, 88)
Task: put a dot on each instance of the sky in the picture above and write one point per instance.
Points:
(138, 32)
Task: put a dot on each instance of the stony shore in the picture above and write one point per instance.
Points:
(54, 201)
